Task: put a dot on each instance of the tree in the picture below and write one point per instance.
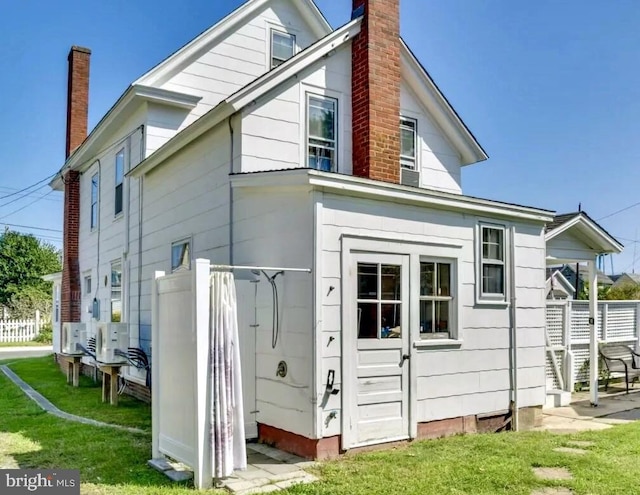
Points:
(23, 261)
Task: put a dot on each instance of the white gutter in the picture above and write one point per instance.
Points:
(513, 333)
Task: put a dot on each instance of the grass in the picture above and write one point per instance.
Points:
(113, 462)
(86, 400)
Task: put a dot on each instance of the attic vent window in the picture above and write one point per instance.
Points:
(282, 47)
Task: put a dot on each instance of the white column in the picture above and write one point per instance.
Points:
(593, 330)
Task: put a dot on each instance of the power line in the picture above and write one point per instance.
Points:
(28, 187)
(619, 211)
(15, 200)
(31, 227)
(25, 206)
(30, 193)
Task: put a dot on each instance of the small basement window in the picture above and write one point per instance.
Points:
(436, 300)
(322, 131)
(492, 269)
(283, 47)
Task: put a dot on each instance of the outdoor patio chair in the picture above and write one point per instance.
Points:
(620, 359)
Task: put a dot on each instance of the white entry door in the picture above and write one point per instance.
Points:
(380, 408)
(246, 296)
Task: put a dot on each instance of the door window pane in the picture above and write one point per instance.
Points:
(367, 320)
(391, 282)
(391, 321)
(367, 281)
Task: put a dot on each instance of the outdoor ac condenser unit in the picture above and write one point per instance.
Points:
(72, 335)
(109, 337)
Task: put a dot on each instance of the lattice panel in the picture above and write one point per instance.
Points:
(621, 321)
(552, 379)
(555, 323)
(580, 355)
(580, 321)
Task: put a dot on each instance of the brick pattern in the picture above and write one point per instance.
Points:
(77, 97)
(77, 118)
(375, 88)
(70, 297)
(309, 448)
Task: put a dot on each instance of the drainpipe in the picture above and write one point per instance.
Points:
(231, 153)
(513, 331)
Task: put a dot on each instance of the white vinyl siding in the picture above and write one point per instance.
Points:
(322, 132)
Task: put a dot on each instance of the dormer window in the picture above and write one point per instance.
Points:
(408, 143)
(282, 47)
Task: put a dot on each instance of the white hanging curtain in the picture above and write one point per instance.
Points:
(227, 422)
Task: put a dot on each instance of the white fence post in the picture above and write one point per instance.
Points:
(37, 326)
(202, 471)
(18, 330)
(569, 381)
(155, 370)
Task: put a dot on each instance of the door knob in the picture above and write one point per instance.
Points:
(405, 357)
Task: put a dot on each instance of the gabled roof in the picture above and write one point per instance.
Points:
(557, 281)
(202, 43)
(251, 92)
(440, 109)
(634, 277)
(570, 272)
(600, 239)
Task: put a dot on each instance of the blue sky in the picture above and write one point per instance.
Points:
(550, 89)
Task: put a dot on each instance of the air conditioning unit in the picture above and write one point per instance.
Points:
(73, 334)
(109, 337)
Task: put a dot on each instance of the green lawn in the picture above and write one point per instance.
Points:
(86, 400)
(113, 462)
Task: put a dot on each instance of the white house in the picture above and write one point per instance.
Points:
(273, 140)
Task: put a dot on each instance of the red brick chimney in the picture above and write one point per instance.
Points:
(77, 122)
(375, 82)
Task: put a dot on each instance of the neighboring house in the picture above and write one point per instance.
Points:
(273, 140)
(558, 287)
(626, 279)
(569, 272)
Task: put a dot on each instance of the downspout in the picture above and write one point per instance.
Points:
(513, 331)
(127, 224)
(231, 154)
(96, 302)
(140, 190)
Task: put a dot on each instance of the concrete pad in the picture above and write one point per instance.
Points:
(178, 476)
(570, 450)
(630, 415)
(552, 473)
(252, 473)
(581, 444)
(278, 468)
(161, 465)
(307, 478)
(239, 485)
(560, 490)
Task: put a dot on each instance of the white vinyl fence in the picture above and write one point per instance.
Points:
(567, 333)
(20, 330)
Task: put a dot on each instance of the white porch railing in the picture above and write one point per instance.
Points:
(567, 334)
(19, 330)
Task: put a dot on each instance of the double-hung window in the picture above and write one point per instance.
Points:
(436, 300)
(116, 291)
(180, 256)
(119, 180)
(95, 191)
(408, 140)
(322, 131)
(283, 47)
(493, 262)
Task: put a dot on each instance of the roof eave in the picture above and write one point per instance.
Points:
(606, 243)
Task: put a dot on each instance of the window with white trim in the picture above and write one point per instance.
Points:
(492, 271)
(119, 180)
(116, 291)
(95, 190)
(283, 47)
(322, 132)
(408, 141)
(180, 256)
(436, 300)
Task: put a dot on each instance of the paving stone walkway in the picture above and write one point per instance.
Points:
(268, 470)
(51, 409)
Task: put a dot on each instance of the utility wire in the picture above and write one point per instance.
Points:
(31, 227)
(28, 187)
(15, 200)
(30, 193)
(25, 206)
(619, 211)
